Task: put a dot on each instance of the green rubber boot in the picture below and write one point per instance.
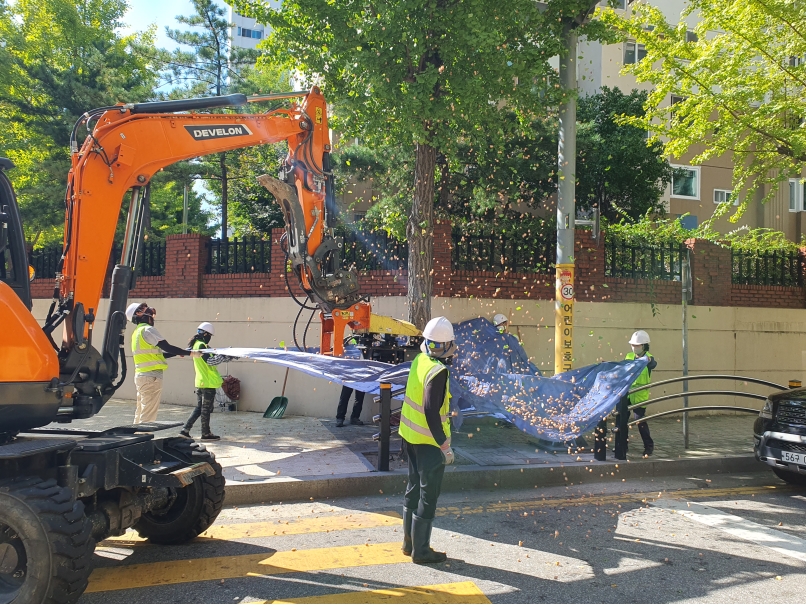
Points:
(422, 553)
(407, 515)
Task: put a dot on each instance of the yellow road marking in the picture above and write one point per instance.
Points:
(457, 592)
(601, 500)
(284, 527)
(219, 568)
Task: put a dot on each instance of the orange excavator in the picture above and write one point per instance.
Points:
(62, 489)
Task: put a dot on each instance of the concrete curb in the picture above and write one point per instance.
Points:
(491, 477)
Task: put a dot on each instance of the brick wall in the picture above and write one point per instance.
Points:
(778, 297)
(186, 277)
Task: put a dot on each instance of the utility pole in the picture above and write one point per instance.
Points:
(185, 210)
(566, 206)
(685, 278)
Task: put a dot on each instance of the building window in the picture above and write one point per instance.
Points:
(622, 4)
(692, 36)
(633, 52)
(722, 196)
(797, 194)
(687, 221)
(250, 33)
(686, 182)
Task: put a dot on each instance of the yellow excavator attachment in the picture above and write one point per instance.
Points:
(381, 324)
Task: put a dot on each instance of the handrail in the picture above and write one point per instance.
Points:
(704, 407)
(708, 377)
(694, 393)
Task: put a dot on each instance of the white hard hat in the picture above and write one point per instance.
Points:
(639, 338)
(500, 319)
(207, 327)
(439, 329)
(131, 309)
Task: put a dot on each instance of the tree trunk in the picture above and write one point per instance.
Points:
(222, 158)
(420, 236)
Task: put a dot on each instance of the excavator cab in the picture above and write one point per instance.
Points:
(13, 259)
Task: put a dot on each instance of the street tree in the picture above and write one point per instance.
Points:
(738, 82)
(428, 74)
(57, 60)
(211, 67)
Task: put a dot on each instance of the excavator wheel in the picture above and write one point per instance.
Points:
(46, 542)
(194, 507)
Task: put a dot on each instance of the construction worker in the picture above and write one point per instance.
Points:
(639, 342)
(207, 381)
(501, 323)
(426, 431)
(150, 349)
(512, 359)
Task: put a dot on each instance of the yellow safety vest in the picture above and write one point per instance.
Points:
(644, 377)
(207, 377)
(413, 424)
(147, 358)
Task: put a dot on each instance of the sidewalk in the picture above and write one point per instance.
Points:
(267, 459)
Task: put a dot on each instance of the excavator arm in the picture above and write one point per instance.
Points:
(126, 147)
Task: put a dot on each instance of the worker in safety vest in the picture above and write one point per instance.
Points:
(150, 349)
(207, 381)
(640, 347)
(426, 431)
(510, 358)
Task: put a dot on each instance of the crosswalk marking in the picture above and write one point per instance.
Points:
(773, 539)
(456, 592)
(285, 527)
(219, 568)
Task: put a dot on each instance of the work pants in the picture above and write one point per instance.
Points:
(204, 407)
(643, 429)
(426, 469)
(622, 428)
(344, 401)
(149, 394)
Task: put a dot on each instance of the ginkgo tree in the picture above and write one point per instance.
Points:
(739, 84)
(431, 74)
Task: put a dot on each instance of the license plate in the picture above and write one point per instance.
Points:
(792, 457)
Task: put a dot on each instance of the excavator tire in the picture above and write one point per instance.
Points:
(46, 542)
(195, 507)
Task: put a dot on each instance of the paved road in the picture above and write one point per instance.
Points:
(707, 539)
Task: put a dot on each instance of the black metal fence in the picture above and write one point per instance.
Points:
(516, 252)
(370, 251)
(766, 268)
(45, 261)
(661, 262)
(248, 255)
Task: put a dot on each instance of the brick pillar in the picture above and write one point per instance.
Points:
(589, 258)
(442, 269)
(185, 263)
(277, 271)
(711, 273)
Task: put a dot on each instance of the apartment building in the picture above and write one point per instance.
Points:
(245, 32)
(703, 186)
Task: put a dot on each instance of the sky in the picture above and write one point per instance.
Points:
(143, 13)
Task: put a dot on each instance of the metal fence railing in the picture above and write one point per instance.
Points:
(247, 255)
(512, 252)
(44, 261)
(370, 251)
(151, 262)
(660, 262)
(766, 269)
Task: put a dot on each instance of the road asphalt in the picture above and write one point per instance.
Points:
(737, 537)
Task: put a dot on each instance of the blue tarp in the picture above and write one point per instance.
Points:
(490, 375)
